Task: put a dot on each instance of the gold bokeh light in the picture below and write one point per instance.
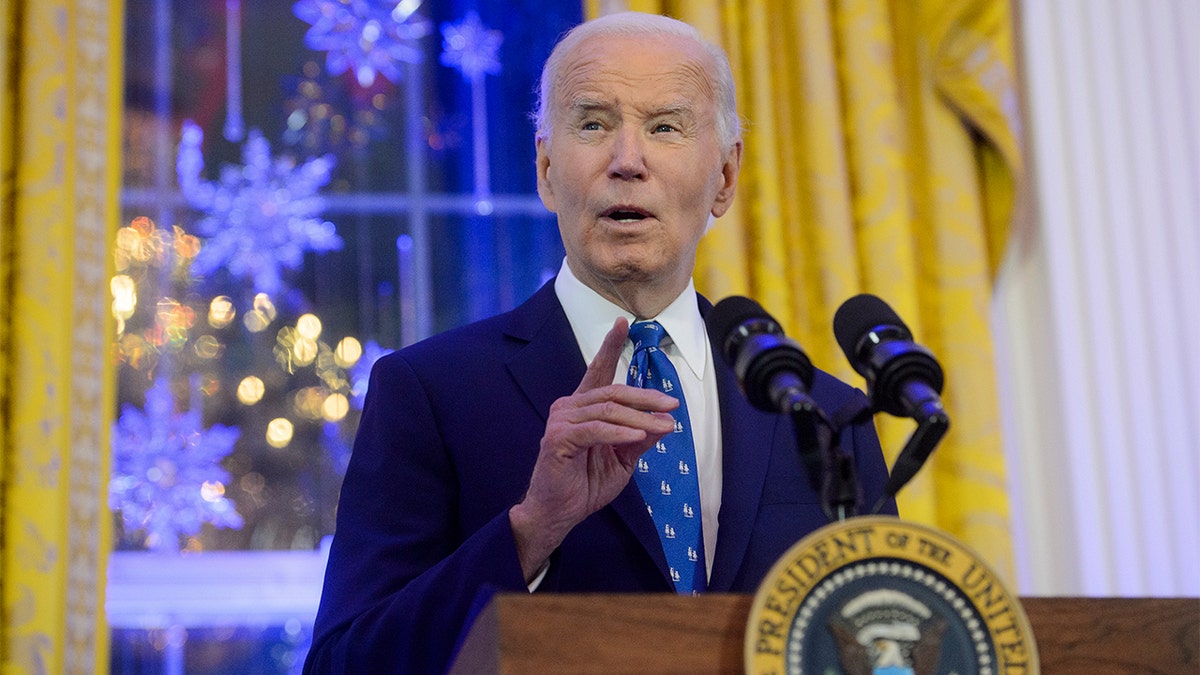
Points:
(124, 292)
(335, 407)
(279, 432)
(304, 351)
(221, 311)
(309, 326)
(308, 402)
(250, 390)
(348, 352)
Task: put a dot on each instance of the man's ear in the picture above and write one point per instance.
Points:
(729, 177)
(545, 191)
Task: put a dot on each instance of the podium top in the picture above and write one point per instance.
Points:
(662, 633)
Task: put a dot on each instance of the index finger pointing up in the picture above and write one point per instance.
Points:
(603, 368)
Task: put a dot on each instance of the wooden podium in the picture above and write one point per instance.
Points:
(548, 633)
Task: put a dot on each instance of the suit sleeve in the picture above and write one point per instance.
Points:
(402, 579)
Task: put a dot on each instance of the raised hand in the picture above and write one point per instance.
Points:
(588, 453)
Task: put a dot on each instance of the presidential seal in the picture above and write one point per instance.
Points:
(879, 596)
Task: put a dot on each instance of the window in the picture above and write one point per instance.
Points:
(300, 195)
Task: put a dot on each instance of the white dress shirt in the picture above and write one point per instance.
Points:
(591, 317)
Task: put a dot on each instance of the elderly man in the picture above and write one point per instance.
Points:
(528, 451)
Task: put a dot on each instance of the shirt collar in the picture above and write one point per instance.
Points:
(591, 316)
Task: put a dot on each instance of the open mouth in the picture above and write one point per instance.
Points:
(625, 214)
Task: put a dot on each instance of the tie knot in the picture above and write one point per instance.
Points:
(646, 334)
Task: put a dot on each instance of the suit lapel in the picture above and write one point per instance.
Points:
(631, 507)
(548, 367)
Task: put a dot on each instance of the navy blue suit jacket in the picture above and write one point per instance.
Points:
(449, 435)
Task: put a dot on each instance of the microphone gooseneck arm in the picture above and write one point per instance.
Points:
(841, 493)
(807, 419)
(917, 449)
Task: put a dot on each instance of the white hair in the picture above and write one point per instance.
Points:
(729, 127)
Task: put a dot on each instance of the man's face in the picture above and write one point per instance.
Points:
(633, 167)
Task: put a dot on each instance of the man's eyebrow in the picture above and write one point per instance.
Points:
(586, 105)
(680, 109)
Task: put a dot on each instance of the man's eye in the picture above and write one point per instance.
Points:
(590, 126)
(663, 128)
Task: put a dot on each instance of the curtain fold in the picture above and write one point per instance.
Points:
(881, 156)
(60, 167)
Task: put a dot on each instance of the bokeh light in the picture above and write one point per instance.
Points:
(124, 292)
(210, 383)
(187, 246)
(309, 326)
(173, 319)
(348, 352)
(308, 403)
(304, 351)
(252, 483)
(212, 490)
(138, 245)
(221, 311)
(279, 432)
(256, 321)
(207, 347)
(262, 302)
(250, 390)
(335, 407)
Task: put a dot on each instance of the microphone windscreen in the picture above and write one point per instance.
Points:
(857, 316)
(730, 313)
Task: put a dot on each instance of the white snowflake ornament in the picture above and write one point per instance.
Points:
(167, 477)
(471, 47)
(365, 36)
(259, 218)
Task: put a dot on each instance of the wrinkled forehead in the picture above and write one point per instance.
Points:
(653, 69)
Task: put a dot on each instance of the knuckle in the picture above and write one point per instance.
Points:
(610, 409)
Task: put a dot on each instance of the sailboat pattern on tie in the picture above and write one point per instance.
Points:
(665, 474)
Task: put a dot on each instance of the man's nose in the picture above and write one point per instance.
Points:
(628, 155)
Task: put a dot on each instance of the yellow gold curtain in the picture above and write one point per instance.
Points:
(60, 99)
(880, 157)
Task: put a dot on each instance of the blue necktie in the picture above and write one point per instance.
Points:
(666, 473)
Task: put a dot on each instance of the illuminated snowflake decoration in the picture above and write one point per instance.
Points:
(471, 47)
(360, 372)
(259, 218)
(368, 37)
(167, 475)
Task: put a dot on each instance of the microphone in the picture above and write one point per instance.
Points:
(771, 368)
(773, 372)
(903, 378)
